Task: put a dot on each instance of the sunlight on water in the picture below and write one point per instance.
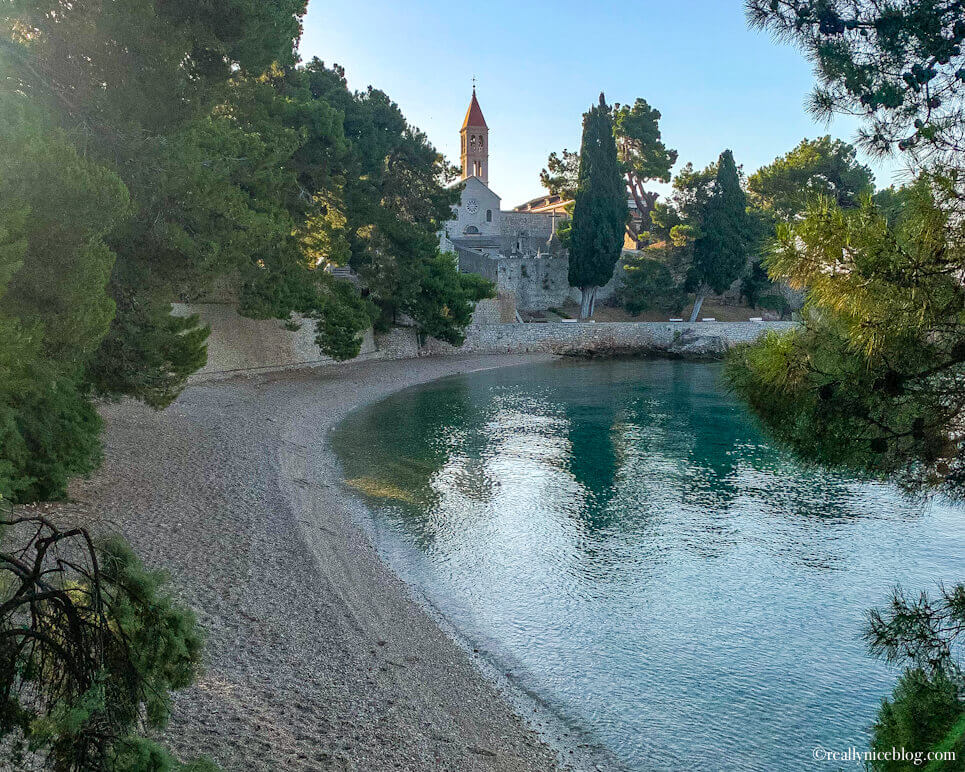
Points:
(625, 540)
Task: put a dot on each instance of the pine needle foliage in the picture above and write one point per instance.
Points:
(91, 646)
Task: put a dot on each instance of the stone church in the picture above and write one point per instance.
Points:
(517, 249)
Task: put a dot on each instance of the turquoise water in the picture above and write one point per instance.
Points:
(622, 539)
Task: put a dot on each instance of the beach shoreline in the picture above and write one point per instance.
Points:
(318, 656)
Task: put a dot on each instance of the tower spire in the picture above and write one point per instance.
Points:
(474, 136)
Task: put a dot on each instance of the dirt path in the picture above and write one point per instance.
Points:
(317, 656)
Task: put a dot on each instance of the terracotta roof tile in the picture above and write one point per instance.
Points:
(474, 116)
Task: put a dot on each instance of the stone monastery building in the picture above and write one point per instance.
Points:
(517, 249)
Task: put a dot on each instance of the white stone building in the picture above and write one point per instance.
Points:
(517, 250)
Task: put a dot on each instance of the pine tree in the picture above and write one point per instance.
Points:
(720, 251)
(600, 209)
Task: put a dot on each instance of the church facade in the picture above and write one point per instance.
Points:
(518, 250)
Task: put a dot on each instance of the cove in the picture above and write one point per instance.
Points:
(623, 537)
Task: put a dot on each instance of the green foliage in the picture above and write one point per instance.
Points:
(649, 285)
(54, 306)
(90, 651)
(67, 205)
(564, 230)
(819, 167)
(145, 89)
(344, 317)
(561, 175)
(641, 150)
(721, 248)
(600, 209)
(445, 306)
(921, 712)
(693, 189)
(50, 434)
(188, 151)
(754, 284)
(675, 224)
(642, 155)
(148, 353)
(379, 200)
(925, 711)
(891, 201)
(899, 65)
(774, 302)
(874, 378)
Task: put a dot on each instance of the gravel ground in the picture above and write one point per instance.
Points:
(317, 656)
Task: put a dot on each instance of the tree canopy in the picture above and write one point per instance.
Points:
(900, 66)
(643, 158)
(157, 150)
(721, 247)
(818, 167)
(90, 648)
(150, 152)
(874, 378)
(600, 208)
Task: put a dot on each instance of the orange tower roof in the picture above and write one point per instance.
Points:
(474, 116)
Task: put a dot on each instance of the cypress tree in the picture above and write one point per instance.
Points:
(720, 251)
(600, 208)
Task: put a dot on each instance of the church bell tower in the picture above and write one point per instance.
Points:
(475, 142)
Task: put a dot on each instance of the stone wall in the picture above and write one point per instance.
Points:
(668, 338)
(537, 283)
(498, 310)
(238, 345)
(605, 292)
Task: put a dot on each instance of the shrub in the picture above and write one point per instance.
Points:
(918, 717)
(91, 646)
(649, 285)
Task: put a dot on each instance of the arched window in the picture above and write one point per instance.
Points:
(489, 215)
(471, 230)
(472, 142)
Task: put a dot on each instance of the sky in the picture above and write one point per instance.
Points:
(539, 65)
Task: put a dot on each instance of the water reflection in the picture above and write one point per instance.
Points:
(624, 537)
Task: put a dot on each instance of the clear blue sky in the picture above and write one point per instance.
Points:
(539, 65)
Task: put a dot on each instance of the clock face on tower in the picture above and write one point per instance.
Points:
(472, 206)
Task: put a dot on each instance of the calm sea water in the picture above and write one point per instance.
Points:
(623, 538)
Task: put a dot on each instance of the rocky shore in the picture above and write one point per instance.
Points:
(317, 656)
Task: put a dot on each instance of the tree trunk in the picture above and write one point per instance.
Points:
(587, 300)
(698, 302)
(646, 201)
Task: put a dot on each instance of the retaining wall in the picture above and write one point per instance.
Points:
(675, 338)
(238, 344)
